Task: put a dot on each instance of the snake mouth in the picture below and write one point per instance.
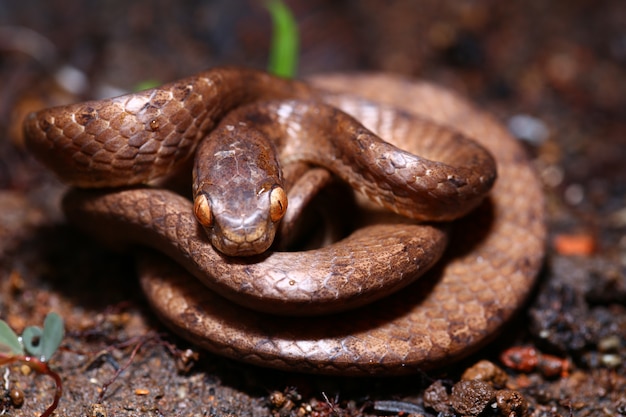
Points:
(243, 249)
(242, 240)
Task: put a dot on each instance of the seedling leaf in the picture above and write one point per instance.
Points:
(9, 342)
(53, 333)
(32, 340)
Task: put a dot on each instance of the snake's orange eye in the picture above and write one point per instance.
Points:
(278, 203)
(202, 210)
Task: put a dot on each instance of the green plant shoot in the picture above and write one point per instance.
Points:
(283, 59)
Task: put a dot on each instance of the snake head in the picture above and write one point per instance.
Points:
(245, 228)
(238, 190)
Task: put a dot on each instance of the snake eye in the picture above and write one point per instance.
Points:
(278, 203)
(202, 210)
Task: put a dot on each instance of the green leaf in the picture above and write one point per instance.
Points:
(147, 84)
(53, 332)
(283, 58)
(32, 340)
(9, 342)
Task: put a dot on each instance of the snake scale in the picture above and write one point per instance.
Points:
(376, 317)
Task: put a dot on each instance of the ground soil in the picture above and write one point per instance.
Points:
(559, 65)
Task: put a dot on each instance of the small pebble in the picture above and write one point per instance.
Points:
(277, 399)
(304, 410)
(511, 403)
(528, 128)
(486, 371)
(552, 366)
(552, 175)
(580, 244)
(98, 410)
(182, 392)
(611, 360)
(437, 398)
(25, 370)
(72, 79)
(520, 358)
(470, 398)
(17, 397)
(609, 344)
(574, 194)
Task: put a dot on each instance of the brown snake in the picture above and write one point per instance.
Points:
(485, 276)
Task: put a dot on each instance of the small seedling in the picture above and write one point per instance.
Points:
(34, 348)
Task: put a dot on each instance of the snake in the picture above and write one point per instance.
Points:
(393, 297)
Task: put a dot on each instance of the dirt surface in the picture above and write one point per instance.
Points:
(554, 71)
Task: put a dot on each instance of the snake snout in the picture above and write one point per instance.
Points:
(242, 236)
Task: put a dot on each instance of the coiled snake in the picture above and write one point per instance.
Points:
(370, 315)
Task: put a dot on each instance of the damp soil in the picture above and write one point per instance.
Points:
(555, 72)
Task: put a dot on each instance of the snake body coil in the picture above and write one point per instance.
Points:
(485, 275)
